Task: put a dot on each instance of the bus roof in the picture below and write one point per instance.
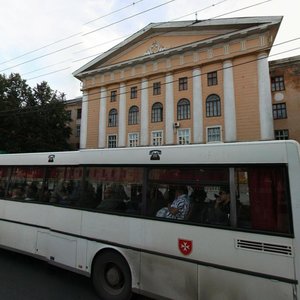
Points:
(218, 153)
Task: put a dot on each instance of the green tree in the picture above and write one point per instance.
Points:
(32, 119)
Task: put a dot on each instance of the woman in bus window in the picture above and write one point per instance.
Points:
(179, 208)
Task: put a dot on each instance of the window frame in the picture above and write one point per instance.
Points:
(277, 83)
(157, 140)
(184, 133)
(133, 139)
(213, 106)
(219, 127)
(78, 113)
(281, 134)
(279, 111)
(133, 92)
(183, 109)
(112, 118)
(110, 141)
(212, 78)
(157, 112)
(156, 88)
(133, 115)
(183, 84)
(113, 96)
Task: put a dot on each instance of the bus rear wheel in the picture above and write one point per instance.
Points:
(111, 276)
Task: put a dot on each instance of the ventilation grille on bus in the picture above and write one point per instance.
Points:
(265, 247)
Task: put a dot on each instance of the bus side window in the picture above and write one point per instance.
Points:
(263, 196)
(4, 180)
(63, 185)
(156, 199)
(25, 183)
(116, 189)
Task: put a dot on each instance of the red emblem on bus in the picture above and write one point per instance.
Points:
(185, 246)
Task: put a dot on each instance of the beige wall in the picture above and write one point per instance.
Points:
(241, 52)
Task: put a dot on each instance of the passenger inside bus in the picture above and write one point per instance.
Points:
(179, 208)
(222, 207)
(113, 199)
(17, 193)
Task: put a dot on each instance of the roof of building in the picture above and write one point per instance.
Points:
(235, 27)
(74, 100)
(285, 61)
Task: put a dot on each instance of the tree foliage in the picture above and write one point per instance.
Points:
(32, 119)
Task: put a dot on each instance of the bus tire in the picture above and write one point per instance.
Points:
(111, 276)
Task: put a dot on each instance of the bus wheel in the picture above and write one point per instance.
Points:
(111, 276)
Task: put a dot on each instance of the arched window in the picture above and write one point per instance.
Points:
(157, 112)
(133, 115)
(112, 118)
(213, 106)
(183, 109)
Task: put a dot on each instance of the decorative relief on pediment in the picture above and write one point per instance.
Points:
(155, 48)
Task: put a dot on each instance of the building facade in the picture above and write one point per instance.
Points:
(181, 82)
(285, 87)
(73, 107)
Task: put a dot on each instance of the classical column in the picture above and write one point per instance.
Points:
(197, 107)
(102, 118)
(122, 116)
(229, 102)
(265, 98)
(144, 113)
(83, 122)
(169, 109)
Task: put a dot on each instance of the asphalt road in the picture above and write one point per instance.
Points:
(26, 278)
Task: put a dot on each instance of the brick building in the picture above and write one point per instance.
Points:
(285, 86)
(181, 82)
(73, 107)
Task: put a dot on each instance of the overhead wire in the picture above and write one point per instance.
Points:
(69, 36)
(159, 24)
(78, 34)
(116, 47)
(76, 44)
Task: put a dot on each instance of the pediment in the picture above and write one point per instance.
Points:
(163, 37)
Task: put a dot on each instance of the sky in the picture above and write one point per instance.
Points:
(49, 40)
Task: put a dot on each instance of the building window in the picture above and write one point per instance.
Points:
(214, 134)
(112, 118)
(112, 141)
(157, 112)
(113, 96)
(133, 139)
(133, 92)
(279, 111)
(212, 78)
(277, 83)
(79, 113)
(69, 114)
(157, 138)
(156, 88)
(282, 134)
(183, 84)
(133, 115)
(183, 136)
(213, 106)
(183, 109)
(77, 130)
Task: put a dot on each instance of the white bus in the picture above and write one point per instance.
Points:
(95, 212)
